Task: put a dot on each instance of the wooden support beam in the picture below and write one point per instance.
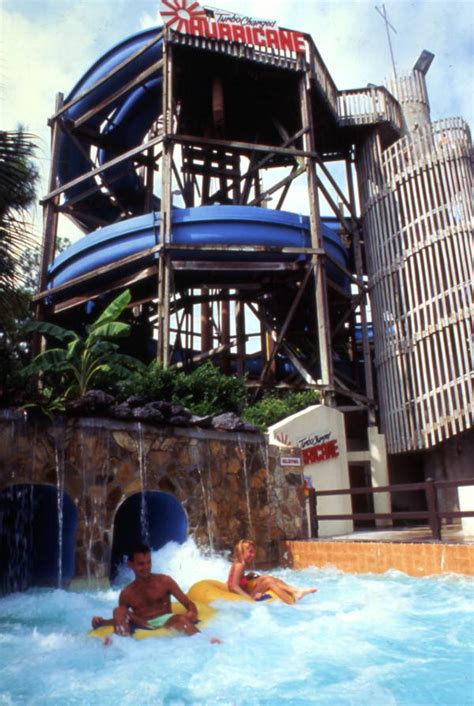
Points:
(348, 203)
(50, 216)
(244, 147)
(355, 304)
(321, 303)
(164, 269)
(98, 170)
(254, 167)
(358, 260)
(241, 336)
(286, 323)
(98, 272)
(50, 230)
(283, 182)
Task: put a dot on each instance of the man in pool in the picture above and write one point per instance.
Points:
(146, 602)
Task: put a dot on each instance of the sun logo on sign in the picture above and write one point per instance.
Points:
(176, 13)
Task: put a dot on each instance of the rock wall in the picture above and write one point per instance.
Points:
(230, 484)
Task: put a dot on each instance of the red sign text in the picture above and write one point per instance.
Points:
(321, 452)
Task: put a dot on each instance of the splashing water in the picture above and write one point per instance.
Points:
(59, 451)
(143, 472)
(250, 531)
(384, 640)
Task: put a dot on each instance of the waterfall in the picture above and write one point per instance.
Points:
(246, 483)
(87, 516)
(16, 528)
(94, 500)
(59, 453)
(142, 467)
(207, 509)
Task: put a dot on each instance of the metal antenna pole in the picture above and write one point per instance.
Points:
(388, 27)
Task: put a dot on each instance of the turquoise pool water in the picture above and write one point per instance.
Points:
(361, 640)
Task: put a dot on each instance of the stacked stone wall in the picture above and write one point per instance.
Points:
(230, 484)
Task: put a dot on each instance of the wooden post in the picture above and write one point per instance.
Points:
(206, 325)
(164, 272)
(240, 330)
(325, 357)
(369, 385)
(50, 214)
(313, 513)
(432, 504)
(225, 335)
(50, 224)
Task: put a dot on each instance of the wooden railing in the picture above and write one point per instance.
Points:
(432, 515)
(366, 106)
(322, 78)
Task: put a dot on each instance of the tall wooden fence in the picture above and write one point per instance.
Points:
(417, 215)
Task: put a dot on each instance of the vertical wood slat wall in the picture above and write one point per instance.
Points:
(417, 218)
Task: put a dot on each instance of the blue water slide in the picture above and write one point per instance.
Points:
(119, 125)
(208, 225)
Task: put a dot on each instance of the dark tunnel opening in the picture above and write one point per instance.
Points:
(152, 517)
(30, 521)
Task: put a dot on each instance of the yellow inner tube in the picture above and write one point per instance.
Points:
(205, 613)
(208, 590)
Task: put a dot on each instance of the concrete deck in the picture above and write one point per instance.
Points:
(449, 534)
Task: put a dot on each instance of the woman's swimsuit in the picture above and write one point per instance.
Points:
(244, 582)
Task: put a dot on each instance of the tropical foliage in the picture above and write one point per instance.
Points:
(207, 391)
(272, 408)
(81, 359)
(204, 391)
(18, 179)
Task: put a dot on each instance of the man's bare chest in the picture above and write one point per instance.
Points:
(149, 595)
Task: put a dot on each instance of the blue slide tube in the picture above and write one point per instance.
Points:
(208, 225)
(122, 124)
(119, 125)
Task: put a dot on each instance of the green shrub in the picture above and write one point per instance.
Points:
(274, 407)
(207, 391)
(14, 356)
(153, 382)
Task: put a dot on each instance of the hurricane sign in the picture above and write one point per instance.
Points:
(190, 18)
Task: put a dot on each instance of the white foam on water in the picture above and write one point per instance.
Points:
(378, 640)
(186, 563)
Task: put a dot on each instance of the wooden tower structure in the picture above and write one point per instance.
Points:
(240, 123)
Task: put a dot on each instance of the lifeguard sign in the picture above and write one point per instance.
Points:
(189, 17)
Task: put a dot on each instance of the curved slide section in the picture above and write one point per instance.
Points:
(121, 124)
(207, 225)
(108, 118)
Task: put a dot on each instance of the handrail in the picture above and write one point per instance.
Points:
(444, 139)
(433, 514)
(367, 106)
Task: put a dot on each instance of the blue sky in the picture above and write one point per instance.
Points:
(47, 45)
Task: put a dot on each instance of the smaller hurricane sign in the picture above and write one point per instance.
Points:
(318, 447)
